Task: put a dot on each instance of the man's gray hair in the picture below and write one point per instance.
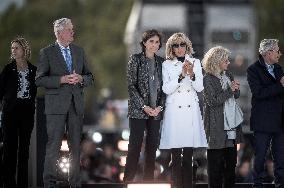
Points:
(58, 25)
(267, 45)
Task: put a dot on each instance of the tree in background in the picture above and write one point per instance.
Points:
(99, 27)
(270, 20)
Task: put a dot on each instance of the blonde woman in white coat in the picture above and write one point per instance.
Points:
(182, 128)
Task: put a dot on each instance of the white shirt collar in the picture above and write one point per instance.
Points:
(62, 47)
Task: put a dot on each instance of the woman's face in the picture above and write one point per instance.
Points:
(152, 44)
(224, 64)
(17, 51)
(179, 49)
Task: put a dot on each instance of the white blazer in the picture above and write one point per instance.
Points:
(182, 125)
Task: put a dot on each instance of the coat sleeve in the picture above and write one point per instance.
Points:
(86, 73)
(212, 98)
(43, 78)
(197, 84)
(258, 89)
(170, 82)
(2, 83)
(132, 81)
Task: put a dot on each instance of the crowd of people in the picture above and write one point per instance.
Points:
(163, 110)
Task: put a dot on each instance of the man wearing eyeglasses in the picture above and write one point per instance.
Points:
(63, 72)
(266, 81)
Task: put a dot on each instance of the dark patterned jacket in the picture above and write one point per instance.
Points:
(138, 86)
(213, 111)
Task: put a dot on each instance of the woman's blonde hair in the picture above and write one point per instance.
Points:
(25, 45)
(175, 39)
(213, 58)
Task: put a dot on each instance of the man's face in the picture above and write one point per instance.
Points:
(66, 35)
(274, 55)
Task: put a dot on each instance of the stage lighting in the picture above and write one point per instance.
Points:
(158, 153)
(149, 185)
(122, 145)
(64, 146)
(97, 137)
(122, 161)
(64, 164)
(125, 134)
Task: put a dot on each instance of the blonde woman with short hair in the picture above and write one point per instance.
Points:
(219, 87)
(182, 128)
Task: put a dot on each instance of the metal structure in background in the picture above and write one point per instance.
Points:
(230, 23)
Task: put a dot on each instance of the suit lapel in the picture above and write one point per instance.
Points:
(263, 67)
(60, 57)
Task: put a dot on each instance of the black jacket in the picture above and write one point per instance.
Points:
(267, 97)
(9, 86)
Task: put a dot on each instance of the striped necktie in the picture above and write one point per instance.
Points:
(270, 70)
(68, 59)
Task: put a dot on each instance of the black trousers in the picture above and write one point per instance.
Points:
(221, 167)
(262, 141)
(182, 167)
(17, 128)
(137, 129)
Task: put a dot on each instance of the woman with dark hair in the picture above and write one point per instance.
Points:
(17, 94)
(145, 105)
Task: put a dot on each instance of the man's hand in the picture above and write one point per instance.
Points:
(73, 78)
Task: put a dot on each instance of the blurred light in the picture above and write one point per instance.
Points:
(121, 176)
(158, 153)
(64, 146)
(64, 164)
(64, 160)
(162, 168)
(125, 134)
(148, 185)
(122, 145)
(238, 147)
(65, 170)
(122, 160)
(61, 165)
(97, 137)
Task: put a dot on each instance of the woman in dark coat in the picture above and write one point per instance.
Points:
(145, 105)
(17, 94)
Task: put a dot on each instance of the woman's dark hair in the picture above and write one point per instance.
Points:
(148, 34)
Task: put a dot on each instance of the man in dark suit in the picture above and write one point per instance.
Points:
(63, 72)
(266, 81)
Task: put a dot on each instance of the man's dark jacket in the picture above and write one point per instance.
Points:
(267, 97)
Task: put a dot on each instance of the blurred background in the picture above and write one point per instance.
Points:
(110, 31)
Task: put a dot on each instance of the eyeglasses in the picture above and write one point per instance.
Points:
(182, 45)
